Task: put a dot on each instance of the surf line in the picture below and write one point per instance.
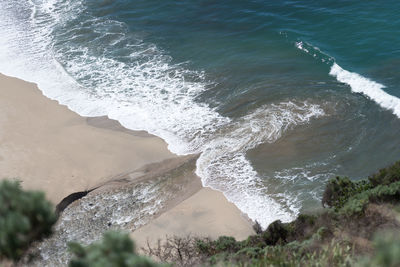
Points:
(357, 82)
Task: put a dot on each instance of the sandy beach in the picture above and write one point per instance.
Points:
(50, 148)
(205, 214)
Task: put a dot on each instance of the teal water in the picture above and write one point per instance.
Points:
(277, 96)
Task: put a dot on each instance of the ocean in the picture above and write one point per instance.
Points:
(277, 97)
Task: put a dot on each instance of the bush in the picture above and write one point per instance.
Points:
(116, 249)
(249, 253)
(257, 227)
(300, 254)
(305, 220)
(275, 233)
(340, 189)
(357, 204)
(226, 243)
(336, 191)
(302, 227)
(387, 251)
(254, 241)
(222, 244)
(386, 176)
(25, 217)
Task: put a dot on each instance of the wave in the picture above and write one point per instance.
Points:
(223, 164)
(357, 82)
(97, 67)
(371, 89)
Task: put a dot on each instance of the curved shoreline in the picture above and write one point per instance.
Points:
(52, 149)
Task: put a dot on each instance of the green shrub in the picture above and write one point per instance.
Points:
(25, 217)
(340, 189)
(249, 253)
(386, 176)
(299, 254)
(257, 227)
(304, 220)
(302, 227)
(226, 243)
(310, 239)
(254, 241)
(221, 245)
(205, 246)
(116, 249)
(356, 205)
(276, 233)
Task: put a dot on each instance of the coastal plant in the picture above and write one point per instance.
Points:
(257, 227)
(25, 217)
(357, 204)
(307, 253)
(330, 238)
(387, 251)
(339, 189)
(115, 250)
(276, 233)
(177, 250)
(221, 245)
(301, 228)
(386, 175)
(295, 253)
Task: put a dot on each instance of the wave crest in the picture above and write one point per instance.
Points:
(369, 88)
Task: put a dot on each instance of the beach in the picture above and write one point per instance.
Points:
(205, 214)
(209, 119)
(49, 148)
(267, 95)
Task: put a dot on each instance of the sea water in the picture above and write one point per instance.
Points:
(276, 96)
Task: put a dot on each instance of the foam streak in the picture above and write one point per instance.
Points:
(96, 67)
(371, 89)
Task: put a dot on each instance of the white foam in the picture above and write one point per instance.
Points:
(223, 164)
(371, 89)
(357, 83)
(300, 46)
(144, 90)
(314, 51)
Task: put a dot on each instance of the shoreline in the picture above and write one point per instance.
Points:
(52, 149)
(198, 216)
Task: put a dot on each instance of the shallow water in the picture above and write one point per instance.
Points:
(279, 96)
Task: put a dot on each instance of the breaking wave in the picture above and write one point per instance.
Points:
(97, 67)
(357, 82)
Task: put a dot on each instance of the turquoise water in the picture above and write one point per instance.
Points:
(277, 96)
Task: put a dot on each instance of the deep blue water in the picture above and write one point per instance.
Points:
(278, 96)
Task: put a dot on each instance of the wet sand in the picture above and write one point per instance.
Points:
(50, 148)
(205, 214)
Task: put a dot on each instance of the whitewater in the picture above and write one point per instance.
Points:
(71, 55)
(146, 92)
(357, 82)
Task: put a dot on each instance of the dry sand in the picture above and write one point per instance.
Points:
(50, 148)
(205, 214)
